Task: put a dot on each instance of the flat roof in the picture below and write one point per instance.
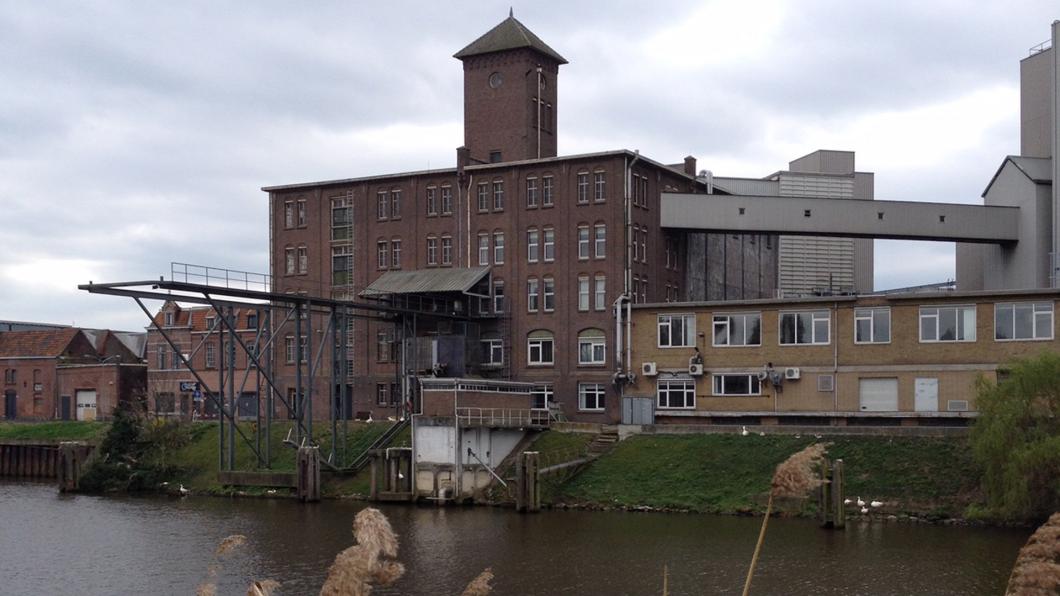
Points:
(952, 296)
(478, 167)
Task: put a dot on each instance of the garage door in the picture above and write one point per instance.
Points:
(86, 405)
(879, 395)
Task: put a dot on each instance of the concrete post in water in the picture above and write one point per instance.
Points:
(308, 488)
(839, 516)
(71, 457)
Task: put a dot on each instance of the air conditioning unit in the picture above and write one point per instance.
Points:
(648, 369)
(957, 405)
(791, 374)
(696, 370)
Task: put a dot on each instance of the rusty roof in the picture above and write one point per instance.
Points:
(421, 281)
(49, 343)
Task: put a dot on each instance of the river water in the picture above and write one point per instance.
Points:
(59, 544)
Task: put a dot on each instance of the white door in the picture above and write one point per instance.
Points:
(879, 395)
(926, 395)
(86, 405)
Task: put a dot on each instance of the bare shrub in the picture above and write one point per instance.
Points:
(263, 587)
(480, 586)
(1037, 569)
(369, 562)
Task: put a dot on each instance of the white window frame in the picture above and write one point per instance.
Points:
(395, 203)
(483, 196)
(483, 248)
(432, 201)
(600, 292)
(498, 296)
(583, 242)
(582, 182)
(493, 352)
(599, 186)
(1037, 308)
(533, 245)
(533, 294)
(926, 313)
(303, 259)
(498, 248)
(432, 250)
(583, 293)
(382, 204)
(688, 327)
(600, 241)
(382, 254)
(727, 321)
(685, 388)
(288, 214)
(870, 314)
(596, 342)
(752, 381)
(395, 253)
(531, 192)
(546, 191)
(498, 195)
(447, 250)
(544, 393)
(548, 245)
(537, 344)
(815, 317)
(598, 391)
(548, 294)
(447, 200)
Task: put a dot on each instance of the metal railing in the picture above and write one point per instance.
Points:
(216, 276)
(1045, 45)
(502, 417)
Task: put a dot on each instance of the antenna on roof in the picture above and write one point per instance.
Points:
(511, 12)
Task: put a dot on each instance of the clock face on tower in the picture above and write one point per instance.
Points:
(496, 80)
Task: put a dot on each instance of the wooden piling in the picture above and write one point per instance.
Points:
(71, 459)
(373, 478)
(824, 495)
(839, 516)
(308, 488)
(520, 483)
(533, 489)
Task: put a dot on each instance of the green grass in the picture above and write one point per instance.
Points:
(53, 431)
(199, 459)
(728, 473)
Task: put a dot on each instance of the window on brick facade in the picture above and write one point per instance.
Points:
(601, 293)
(531, 192)
(583, 187)
(599, 187)
(541, 396)
(447, 200)
(549, 245)
(809, 327)
(432, 251)
(432, 200)
(743, 329)
(395, 203)
(492, 352)
(872, 325)
(483, 196)
(384, 345)
(303, 259)
(288, 214)
(382, 395)
(1023, 321)
(676, 394)
(583, 242)
(591, 396)
(498, 248)
(947, 323)
(498, 195)
(546, 191)
(592, 347)
(498, 296)
(395, 253)
(161, 362)
(382, 202)
(533, 290)
(341, 265)
(677, 331)
(742, 384)
(290, 261)
(302, 217)
(210, 355)
(447, 250)
(483, 248)
(342, 219)
(540, 348)
(549, 293)
(583, 292)
(167, 319)
(532, 245)
(600, 241)
(382, 254)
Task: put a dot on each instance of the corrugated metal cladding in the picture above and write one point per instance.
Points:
(810, 263)
(748, 186)
(420, 281)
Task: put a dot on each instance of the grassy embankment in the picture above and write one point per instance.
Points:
(729, 473)
(198, 460)
(53, 431)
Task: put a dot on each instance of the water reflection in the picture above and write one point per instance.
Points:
(121, 545)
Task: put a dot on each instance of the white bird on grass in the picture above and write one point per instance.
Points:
(860, 502)
(183, 491)
(864, 510)
(743, 431)
(271, 491)
(761, 434)
(876, 503)
(847, 501)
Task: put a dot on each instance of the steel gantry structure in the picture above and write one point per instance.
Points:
(226, 293)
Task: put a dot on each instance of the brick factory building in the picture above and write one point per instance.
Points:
(563, 240)
(62, 373)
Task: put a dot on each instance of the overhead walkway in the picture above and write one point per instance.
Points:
(847, 218)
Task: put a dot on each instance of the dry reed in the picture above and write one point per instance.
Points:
(795, 477)
(369, 562)
(480, 586)
(208, 587)
(1037, 568)
(263, 587)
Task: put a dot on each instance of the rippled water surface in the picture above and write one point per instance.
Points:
(52, 544)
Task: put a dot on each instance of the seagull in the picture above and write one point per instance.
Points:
(864, 510)
(744, 432)
(847, 501)
(271, 491)
(183, 491)
(164, 484)
(400, 475)
(860, 502)
(876, 503)
(762, 434)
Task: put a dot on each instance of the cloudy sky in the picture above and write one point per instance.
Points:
(133, 134)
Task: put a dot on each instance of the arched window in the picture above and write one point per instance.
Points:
(591, 347)
(540, 348)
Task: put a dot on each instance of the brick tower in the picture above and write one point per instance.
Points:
(510, 80)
